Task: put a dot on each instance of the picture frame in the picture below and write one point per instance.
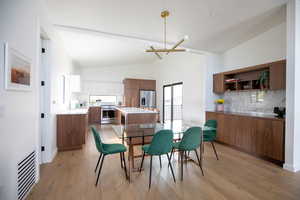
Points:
(17, 70)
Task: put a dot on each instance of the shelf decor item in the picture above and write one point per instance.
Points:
(220, 105)
(17, 70)
(264, 80)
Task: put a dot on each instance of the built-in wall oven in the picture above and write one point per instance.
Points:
(108, 114)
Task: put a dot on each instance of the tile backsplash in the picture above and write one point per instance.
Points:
(254, 101)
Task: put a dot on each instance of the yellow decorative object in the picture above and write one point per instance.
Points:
(220, 101)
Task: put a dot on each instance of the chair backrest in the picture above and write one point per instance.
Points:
(211, 123)
(161, 143)
(98, 141)
(191, 139)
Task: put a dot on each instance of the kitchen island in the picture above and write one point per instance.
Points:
(132, 115)
(256, 133)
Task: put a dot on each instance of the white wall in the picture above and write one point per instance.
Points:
(214, 65)
(109, 80)
(19, 111)
(266, 47)
(189, 69)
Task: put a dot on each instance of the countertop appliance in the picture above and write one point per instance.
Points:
(108, 114)
(280, 111)
(147, 99)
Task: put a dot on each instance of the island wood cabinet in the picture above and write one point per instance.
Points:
(248, 78)
(95, 115)
(71, 131)
(132, 89)
(257, 135)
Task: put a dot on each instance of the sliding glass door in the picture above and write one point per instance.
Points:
(172, 102)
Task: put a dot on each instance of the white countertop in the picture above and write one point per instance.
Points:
(81, 111)
(133, 110)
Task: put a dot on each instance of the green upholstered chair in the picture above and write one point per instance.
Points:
(107, 149)
(190, 141)
(210, 135)
(161, 144)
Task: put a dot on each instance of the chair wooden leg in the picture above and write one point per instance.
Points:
(160, 161)
(213, 145)
(121, 159)
(124, 160)
(142, 162)
(199, 162)
(150, 172)
(181, 160)
(102, 160)
(169, 159)
(171, 156)
(98, 162)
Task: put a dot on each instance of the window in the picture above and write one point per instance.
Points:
(101, 98)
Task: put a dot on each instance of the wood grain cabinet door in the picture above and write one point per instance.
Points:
(147, 84)
(64, 131)
(94, 115)
(244, 130)
(278, 75)
(78, 130)
(218, 83)
(275, 148)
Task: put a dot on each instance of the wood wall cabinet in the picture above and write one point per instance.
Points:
(132, 89)
(71, 131)
(278, 75)
(218, 83)
(257, 135)
(248, 78)
(95, 115)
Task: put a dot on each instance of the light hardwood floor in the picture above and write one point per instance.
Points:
(235, 176)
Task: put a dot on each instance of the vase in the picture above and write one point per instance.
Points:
(220, 107)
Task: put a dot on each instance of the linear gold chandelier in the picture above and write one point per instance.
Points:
(164, 14)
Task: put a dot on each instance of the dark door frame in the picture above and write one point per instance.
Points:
(164, 86)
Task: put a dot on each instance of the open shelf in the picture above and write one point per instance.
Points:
(248, 80)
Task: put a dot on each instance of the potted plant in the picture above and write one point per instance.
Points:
(220, 105)
(264, 80)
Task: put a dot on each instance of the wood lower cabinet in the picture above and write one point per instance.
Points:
(95, 115)
(71, 131)
(257, 135)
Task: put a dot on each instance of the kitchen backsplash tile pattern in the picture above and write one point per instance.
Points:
(254, 101)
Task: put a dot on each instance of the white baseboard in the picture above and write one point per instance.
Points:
(292, 168)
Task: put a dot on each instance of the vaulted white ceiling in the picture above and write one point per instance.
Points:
(212, 25)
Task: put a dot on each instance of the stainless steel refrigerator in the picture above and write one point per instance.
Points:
(147, 99)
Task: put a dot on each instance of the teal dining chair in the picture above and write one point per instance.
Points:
(108, 149)
(191, 141)
(210, 135)
(161, 144)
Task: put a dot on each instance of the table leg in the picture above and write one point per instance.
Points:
(129, 159)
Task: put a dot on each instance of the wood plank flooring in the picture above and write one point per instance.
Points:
(235, 176)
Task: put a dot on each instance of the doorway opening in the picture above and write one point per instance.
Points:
(172, 102)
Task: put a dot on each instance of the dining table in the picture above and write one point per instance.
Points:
(140, 134)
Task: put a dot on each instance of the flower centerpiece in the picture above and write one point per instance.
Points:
(220, 105)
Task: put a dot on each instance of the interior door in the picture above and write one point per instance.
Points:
(172, 102)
